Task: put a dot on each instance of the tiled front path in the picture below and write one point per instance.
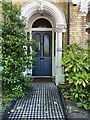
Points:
(41, 102)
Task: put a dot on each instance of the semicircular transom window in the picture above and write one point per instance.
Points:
(41, 23)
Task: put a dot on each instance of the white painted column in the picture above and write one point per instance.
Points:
(59, 78)
(30, 71)
(53, 61)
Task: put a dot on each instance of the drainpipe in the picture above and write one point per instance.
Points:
(68, 42)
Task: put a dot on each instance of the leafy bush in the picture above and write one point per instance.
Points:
(15, 51)
(75, 59)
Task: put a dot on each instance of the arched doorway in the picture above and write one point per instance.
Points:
(53, 25)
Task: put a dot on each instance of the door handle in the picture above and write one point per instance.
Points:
(42, 58)
(39, 45)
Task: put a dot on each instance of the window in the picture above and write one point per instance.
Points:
(42, 23)
(46, 45)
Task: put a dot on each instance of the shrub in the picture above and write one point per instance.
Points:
(75, 59)
(15, 51)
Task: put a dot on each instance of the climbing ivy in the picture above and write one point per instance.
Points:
(16, 52)
(77, 71)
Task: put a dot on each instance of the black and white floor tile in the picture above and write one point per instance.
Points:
(41, 102)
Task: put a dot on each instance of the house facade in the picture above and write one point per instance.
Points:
(54, 24)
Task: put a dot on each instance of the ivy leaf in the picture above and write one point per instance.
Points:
(69, 109)
(18, 108)
(31, 106)
(74, 68)
(77, 111)
(12, 110)
(86, 81)
(84, 84)
(38, 105)
(76, 96)
(55, 103)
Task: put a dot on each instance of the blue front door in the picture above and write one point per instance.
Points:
(43, 57)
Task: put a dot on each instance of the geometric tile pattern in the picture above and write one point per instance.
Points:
(41, 102)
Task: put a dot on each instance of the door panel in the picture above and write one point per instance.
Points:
(46, 43)
(43, 63)
(37, 47)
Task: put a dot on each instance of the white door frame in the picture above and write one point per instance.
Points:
(53, 58)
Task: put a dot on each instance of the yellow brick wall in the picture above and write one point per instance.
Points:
(78, 32)
(63, 6)
(77, 26)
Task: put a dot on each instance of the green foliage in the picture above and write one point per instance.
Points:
(77, 71)
(15, 52)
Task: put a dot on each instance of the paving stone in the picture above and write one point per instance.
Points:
(77, 113)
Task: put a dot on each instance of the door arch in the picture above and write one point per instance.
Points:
(34, 10)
